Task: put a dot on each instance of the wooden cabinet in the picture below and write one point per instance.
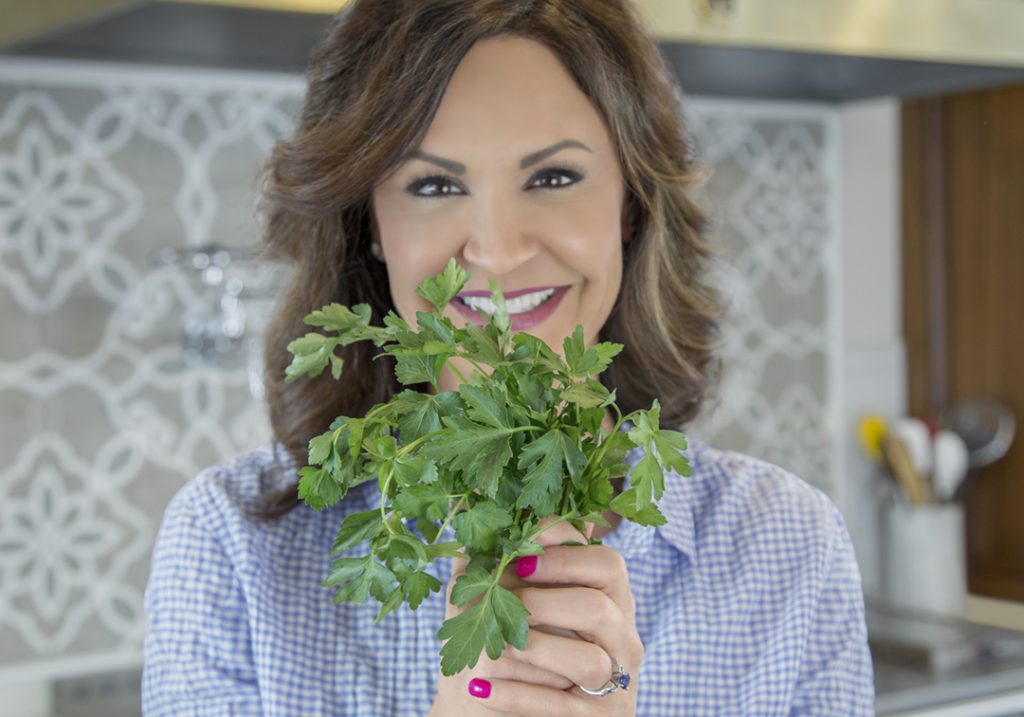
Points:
(963, 296)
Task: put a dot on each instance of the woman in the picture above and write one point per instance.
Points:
(541, 145)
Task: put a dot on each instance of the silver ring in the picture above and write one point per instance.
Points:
(618, 681)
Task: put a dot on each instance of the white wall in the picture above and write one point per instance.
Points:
(30, 699)
(874, 372)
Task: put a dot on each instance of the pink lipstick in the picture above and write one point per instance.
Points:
(509, 294)
(518, 322)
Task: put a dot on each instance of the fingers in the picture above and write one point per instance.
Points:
(593, 566)
(578, 662)
(588, 612)
(506, 668)
(561, 532)
(535, 701)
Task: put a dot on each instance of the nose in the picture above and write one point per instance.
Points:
(499, 240)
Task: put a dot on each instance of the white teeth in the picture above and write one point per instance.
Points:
(518, 305)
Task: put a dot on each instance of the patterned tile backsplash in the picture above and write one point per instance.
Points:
(131, 318)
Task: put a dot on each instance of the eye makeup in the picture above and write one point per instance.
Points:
(567, 170)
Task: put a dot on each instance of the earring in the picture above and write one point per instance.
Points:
(376, 250)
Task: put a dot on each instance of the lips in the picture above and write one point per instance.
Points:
(518, 322)
(508, 295)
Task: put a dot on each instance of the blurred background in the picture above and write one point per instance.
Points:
(868, 167)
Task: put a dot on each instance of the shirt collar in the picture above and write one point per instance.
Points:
(677, 504)
(630, 539)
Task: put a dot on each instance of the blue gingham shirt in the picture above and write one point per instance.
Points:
(748, 602)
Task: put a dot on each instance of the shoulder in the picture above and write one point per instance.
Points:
(236, 486)
(200, 593)
(753, 488)
(223, 503)
(222, 499)
(757, 511)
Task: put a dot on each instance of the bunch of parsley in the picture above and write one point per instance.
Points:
(518, 442)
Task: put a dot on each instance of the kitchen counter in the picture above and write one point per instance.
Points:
(989, 689)
(944, 666)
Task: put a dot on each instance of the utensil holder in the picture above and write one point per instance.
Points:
(924, 565)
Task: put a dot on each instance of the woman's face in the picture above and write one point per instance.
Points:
(518, 179)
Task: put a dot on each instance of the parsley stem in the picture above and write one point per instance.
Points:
(391, 473)
(505, 560)
(458, 373)
(477, 366)
(604, 446)
(409, 446)
(540, 529)
(376, 409)
(384, 497)
(448, 518)
(516, 429)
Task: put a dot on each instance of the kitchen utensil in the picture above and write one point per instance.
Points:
(951, 461)
(986, 425)
(918, 439)
(870, 431)
(902, 467)
(924, 558)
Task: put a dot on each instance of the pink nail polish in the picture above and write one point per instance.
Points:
(526, 566)
(480, 688)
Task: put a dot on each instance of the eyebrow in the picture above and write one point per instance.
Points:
(530, 159)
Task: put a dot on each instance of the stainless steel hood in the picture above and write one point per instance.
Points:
(24, 21)
(831, 50)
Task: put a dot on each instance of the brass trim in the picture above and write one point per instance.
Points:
(961, 31)
(322, 7)
(982, 32)
(27, 20)
(991, 611)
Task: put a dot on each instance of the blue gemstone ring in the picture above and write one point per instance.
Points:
(618, 681)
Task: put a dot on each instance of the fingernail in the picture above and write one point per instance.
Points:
(526, 566)
(479, 688)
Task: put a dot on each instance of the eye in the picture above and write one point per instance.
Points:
(432, 186)
(557, 177)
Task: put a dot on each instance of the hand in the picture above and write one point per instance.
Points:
(582, 611)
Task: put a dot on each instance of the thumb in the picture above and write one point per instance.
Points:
(562, 533)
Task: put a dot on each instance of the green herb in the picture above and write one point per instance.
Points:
(521, 440)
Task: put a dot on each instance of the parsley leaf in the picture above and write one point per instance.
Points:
(421, 413)
(478, 451)
(471, 585)
(479, 527)
(520, 440)
(310, 355)
(543, 460)
(441, 289)
(511, 615)
(356, 528)
(359, 577)
(318, 487)
(418, 586)
(467, 635)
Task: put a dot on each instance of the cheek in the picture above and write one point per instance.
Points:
(417, 238)
(413, 251)
(594, 250)
(590, 242)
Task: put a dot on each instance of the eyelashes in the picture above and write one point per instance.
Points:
(565, 175)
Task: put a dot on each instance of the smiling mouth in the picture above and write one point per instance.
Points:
(525, 311)
(522, 304)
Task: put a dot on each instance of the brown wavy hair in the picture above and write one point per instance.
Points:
(374, 83)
